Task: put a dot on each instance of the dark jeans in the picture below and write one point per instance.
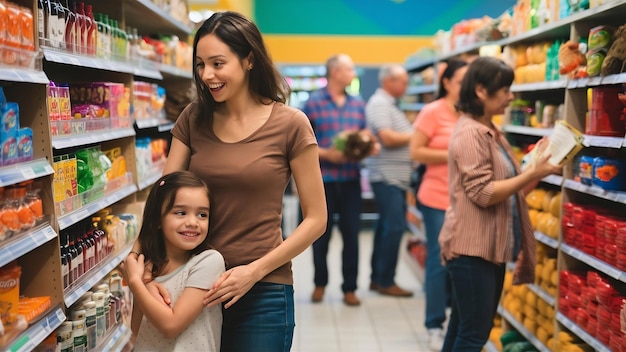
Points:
(476, 289)
(262, 320)
(391, 224)
(344, 199)
(437, 283)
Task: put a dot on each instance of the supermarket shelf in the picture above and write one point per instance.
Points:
(67, 220)
(596, 81)
(522, 330)
(604, 142)
(21, 74)
(143, 184)
(547, 240)
(116, 339)
(151, 122)
(173, 71)
(554, 30)
(539, 86)
(573, 327)
(29, 170)
(87, 281)
(151, 18)
(67, 58)
(594, 262)
(411, 106)
(417, 269)
(618, 197)
(412, 90)
(543, 294)
(166, 127)
(526, 130)
(36, 333)
(62, 142)
(25, 242)
(417, 64)
(490, 347)
(417, 232)
(556, 180)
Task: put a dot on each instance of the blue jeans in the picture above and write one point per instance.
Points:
(436, 286)
(343, 198)
(476, 289)
(262, 320)
(391, 224)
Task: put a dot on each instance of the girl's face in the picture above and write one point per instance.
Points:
(453, 84)
(498, 102)
(220, 69)
(186, 225)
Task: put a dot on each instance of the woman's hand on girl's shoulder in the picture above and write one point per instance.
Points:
(231, 286)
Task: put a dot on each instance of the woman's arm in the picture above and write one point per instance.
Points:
(307, 176)
(177, 158)
(539, 169)
(420, 151)
(170, 321)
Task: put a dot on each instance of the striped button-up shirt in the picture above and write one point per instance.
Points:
(328, 120)
(471, 227)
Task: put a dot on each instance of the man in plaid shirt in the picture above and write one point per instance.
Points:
(331, 111)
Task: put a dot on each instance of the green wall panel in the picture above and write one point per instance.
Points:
(369, 17)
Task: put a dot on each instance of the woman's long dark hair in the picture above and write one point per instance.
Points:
(243, 37)
(452, 66)
(160, 201)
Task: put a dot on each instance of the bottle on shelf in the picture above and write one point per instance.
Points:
(82, 27)
(41, 20)
(70, 27)
(92, 30)
(61, 22)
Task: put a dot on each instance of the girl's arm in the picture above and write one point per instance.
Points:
(308, 178)
(169, 320)
(135, 321)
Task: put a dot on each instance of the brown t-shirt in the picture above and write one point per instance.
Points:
(247, 181)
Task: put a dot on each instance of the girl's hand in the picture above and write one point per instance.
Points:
(134, 267)
(230, 286)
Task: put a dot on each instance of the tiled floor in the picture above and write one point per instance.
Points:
(380, 324)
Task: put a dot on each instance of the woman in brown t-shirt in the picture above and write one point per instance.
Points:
(245, 143)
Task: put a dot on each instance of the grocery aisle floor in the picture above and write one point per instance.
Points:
(379, 324)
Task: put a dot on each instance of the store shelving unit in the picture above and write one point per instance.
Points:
(572, 93)
(37, 250)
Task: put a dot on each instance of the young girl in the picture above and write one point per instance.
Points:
(174, 239)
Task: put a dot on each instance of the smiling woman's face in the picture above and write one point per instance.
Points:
(220, 68)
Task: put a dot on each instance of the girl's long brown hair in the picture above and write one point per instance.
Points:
(160, 201)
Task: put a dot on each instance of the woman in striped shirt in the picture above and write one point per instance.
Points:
(487, 223)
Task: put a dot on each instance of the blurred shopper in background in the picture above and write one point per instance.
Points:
(389, 175)
(429, 146)
(487, 223)
(332, 110)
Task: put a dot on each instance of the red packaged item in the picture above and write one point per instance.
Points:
(606, 113)
(13, 40)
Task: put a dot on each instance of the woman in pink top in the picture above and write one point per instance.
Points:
(429, 146)
(487, 223)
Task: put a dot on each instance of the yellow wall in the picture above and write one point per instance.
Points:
(364, 50)
(245, 7)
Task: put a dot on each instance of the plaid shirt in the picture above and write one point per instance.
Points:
(328, 120)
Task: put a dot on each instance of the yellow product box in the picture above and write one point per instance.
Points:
(58, 182)
(9, 294)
